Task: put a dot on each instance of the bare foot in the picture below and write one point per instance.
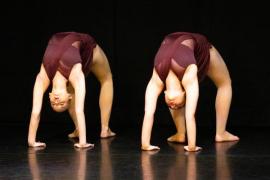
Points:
(107, 133)
(37, 144)
(74, 134)
(150, 148)
(226, 136)
(194, 149)
(78, 145)
(178, 138)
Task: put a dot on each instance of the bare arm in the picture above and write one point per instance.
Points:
(77, 80)
(153, 90)
(190, 83)
(41, 85)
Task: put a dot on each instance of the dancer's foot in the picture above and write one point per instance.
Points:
(107, 133)
(226, 136)
(177, 138)
(74, 134)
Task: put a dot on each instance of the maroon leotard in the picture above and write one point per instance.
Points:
(61, 55)
(180, 49)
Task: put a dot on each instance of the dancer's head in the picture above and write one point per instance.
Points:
(175, 98)
(60, 100)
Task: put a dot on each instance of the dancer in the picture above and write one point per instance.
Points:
(68, 59)
(182, 61)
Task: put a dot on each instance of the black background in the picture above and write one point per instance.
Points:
(130, 33)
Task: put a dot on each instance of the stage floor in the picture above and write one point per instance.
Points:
(121, 158)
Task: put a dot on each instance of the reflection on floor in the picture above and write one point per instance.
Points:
(121, 158)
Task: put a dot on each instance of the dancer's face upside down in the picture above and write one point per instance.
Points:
(59, 101)
(175, 99)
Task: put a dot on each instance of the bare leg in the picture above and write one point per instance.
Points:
(219, 74)
(105, 104)
(75, 133)
(102, 71)
(72, 114)
(179, 121)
